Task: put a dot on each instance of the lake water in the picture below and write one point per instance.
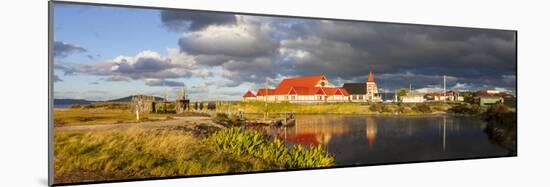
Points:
(360, 140)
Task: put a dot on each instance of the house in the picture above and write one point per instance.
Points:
(307, 89)
(490, 100)
(363, 92)
(262, 94)
(249, 96)
(413, 98)
(491, 97)
(444, 96)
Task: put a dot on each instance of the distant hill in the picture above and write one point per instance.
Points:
(129, 98)
(68, 102)
(71, 101)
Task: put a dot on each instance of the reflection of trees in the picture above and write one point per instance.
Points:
(502, 127)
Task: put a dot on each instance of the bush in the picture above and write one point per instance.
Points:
(424, 108)
(242, 142)
(465, 108)
(387, 109)
(108, 105)
(376, 107)
(227, 120)
(75, 106)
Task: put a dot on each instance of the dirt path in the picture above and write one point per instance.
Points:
(184, 123)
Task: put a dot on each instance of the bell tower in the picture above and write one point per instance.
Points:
(372, 89)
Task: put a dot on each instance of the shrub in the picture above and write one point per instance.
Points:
(465, 108)
(424, 108)
(227, 120)
(387, 109)
(375, 107)
(75, 106)
(242, 142)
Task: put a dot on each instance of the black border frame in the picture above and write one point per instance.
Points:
(50, 91)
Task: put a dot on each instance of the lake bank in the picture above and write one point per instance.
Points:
(176, 147)
(337, 108)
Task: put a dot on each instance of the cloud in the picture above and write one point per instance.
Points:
(57, 79)
(62, 49)
(149, 66)
(193, 20)
(241, 40)
(165, 83)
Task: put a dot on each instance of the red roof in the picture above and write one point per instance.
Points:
(307, 81)
(371, 77)
(336, 91)
(261, 92)
(249, 94)
(303, 86)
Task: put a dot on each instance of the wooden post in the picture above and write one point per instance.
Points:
(137, 112)
(266, 115)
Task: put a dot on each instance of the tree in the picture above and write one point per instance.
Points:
(402, 92)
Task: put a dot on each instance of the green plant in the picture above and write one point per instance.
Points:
(75, 106)
(243, 142)
(424, 108)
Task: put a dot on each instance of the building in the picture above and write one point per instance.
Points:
(307, 89)
(249, 96)
(491, 97)
(363, 92)
(445, 96)
(490, 100)
(412, 97)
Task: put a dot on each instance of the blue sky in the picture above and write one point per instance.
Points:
(103, 53)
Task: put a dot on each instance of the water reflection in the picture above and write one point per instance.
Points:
(375, 139)
(371, 130)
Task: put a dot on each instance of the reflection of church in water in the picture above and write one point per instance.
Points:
(315, 130)
(371, 130)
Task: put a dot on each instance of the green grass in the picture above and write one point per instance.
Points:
(144, 153)
(140, 153)
(337, 108)
(82, 116)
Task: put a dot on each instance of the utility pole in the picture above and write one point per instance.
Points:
(445, 88)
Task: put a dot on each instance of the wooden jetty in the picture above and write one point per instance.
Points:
(286, 121)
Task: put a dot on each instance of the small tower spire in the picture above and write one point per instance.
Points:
(371, 75)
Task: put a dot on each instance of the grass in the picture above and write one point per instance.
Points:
(337, 108)
(143, 153)
(139, 153)
(83, 116)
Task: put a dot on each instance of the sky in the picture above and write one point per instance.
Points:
(103, 53)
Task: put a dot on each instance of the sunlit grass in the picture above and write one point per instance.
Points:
(82, 116)
(336, 108)
(139, 153)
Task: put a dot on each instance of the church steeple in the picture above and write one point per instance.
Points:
(371, 77)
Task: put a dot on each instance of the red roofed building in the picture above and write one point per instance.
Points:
(249, 96)
(304, 89)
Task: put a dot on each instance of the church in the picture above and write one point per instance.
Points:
(364, 92)
(316, 89)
